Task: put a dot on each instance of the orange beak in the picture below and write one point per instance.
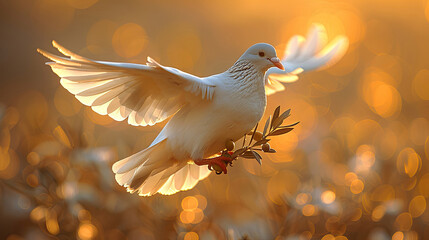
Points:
(276, 61)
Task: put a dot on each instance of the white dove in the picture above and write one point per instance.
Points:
(205, 112)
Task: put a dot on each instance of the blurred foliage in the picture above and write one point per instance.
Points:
(356, 167)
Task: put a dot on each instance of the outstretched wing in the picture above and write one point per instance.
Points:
(304, 55)
(145, 94)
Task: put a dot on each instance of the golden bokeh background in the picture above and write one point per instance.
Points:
(356, 167)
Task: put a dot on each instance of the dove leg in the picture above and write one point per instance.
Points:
(220, 161)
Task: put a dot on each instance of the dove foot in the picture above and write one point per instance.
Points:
(217, 164)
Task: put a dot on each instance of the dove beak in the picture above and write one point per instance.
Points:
(276, 61)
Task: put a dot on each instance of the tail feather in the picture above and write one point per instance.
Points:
(184, 179)
(131, 162)
(154, 170)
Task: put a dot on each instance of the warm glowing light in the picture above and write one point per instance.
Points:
(187, 216)
(378, 213)
(68, 190)
(350, 177)
(379, 92)
(356, 186)
(52, 223)
(328, 237)
(328, 197)
(386, 100)
(202, 201)
(398, 236)
(404, 221)
(303, 198)
(129, 40)
(87, 231)
(198, 216)
(32, 158)
(366, 202)
(340, 238)
(281, 157)
(32, 180)
(421, 84)
(408, 162)
(365, 158)
(356, 165)
(191, 236)
(61, 135)
(309, 210)
(189, 203)
(417, 206)
(38, 213)
(287, 143)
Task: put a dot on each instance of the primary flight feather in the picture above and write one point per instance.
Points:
(205, 111)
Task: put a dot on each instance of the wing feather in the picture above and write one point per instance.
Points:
(304, 55)
(145, 94)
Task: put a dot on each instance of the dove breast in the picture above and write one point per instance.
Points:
(200, 130)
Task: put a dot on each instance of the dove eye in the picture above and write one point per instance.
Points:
(261, 54)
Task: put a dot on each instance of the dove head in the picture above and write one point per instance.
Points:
(263, 56)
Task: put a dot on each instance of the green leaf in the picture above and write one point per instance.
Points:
(285, 114)
(280, 131)
(260, 142)
(290, 125)
(238, 152)
(280, 119)
(248, 154)
(253, 135)
(267, 124)
(257, 157)
(275, 116)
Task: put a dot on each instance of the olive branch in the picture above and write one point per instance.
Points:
(273, 127)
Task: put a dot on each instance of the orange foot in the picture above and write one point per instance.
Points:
(220, 161)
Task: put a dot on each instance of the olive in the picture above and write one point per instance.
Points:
(217, 168)
(266, 147)
(229, 145)
(258, 136)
